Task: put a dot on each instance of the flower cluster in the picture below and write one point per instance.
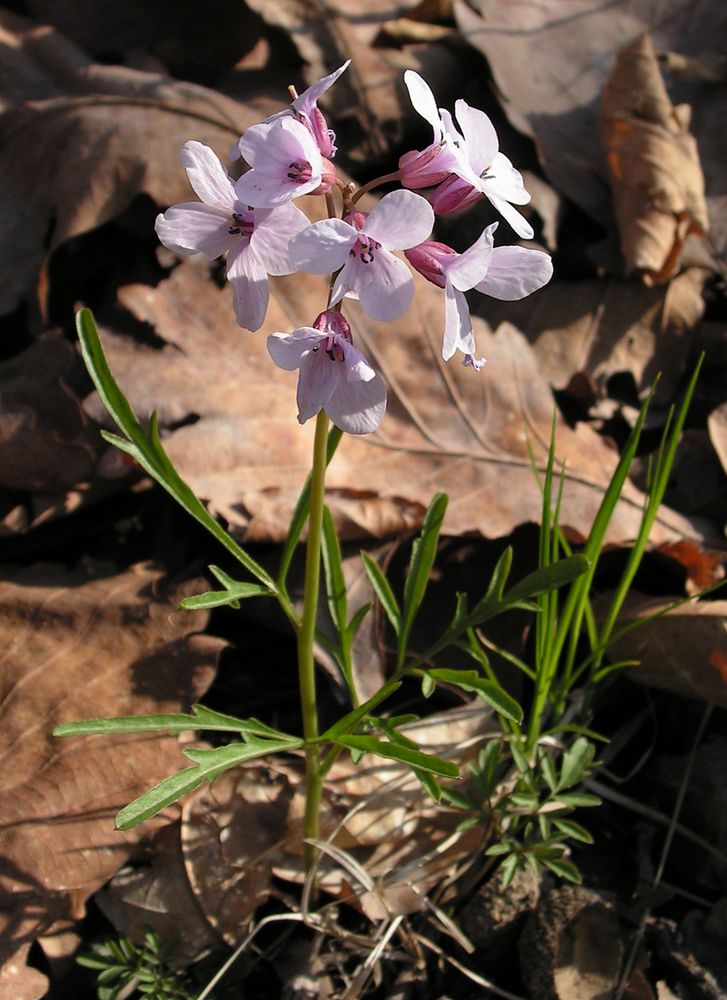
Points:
(254, 222)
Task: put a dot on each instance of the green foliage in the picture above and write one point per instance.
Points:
(131, 970)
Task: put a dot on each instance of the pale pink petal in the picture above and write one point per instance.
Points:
(458, 151)
(207, 176)
(401, 220)
(289, 349)
(262, 191)
(270, 148)
(515, 272)
(349, 279)
(309, 98)
(194, 228)
(358, 407)
(517, 221)
(249, 282)
(274, 229)
(464, 270)
(323, 247)
(388, 293)
(458, 333)
(318, 379)
(479, 135)
(422, 100)
(357, 367)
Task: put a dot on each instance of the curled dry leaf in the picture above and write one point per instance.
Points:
(603, 326)
(684, 650)
(717, 426)
(78, 645)
(551, 61)
(101, 122)
(653, 165)
(446, 427)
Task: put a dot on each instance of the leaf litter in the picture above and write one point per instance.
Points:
(162, 350)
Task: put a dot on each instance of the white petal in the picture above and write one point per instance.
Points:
(323, 247)
(423, 102)
(479, 136)
(388, 292)
(250, 293)
(208, 177)
(517, 221)
(507, 182)
(516, 272)
(194, 228)
(402, 219)
(318, 379)
(274, 229)
(457, 324)
(358, 407)
(309, 98)
(347, 282)
(262, 191)
(465, 269)
(289, 349)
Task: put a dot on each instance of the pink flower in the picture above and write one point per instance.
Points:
(472, 154)
(361, 246)
(503, 272)
(286, 163)
(306, 109)
(334, 375)
(256, 239)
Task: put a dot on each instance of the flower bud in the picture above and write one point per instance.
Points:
(453, 195)
(427, 258)
(419, 169)
(328, 177)
(318, 128)
(333, 322)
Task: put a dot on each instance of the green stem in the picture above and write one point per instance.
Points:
(386, 179)
(306, 660)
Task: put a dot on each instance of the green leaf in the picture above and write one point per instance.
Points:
(201, 718)
(382, 589)
(414, 758)
(573, 830)
(356, 619)
(423, 553)
(547, 769)
(300, 512)
(148, 450)
(351, 719)
(546, 579)
(428, 685)
(489, 691)
(576, 800)
(564, 869)
(576, 763)
(490, 603)
(333, 569)
(218, 598)
(508, 869)
(459, 799)
(208, 765)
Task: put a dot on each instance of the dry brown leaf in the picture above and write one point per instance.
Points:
(717, 426)
(46, 442)
(370, 91)
(653, 165)
(446, 428)
(101, 123)
(603, 326)
(571, 947)
(684, 650)
(551, 61)
(79, 644)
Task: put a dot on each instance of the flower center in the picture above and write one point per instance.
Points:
(241, 224)
(300, 171)
(365, 249)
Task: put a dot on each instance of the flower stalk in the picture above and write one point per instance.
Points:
(306, 636)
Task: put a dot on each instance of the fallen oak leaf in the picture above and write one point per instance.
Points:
(653, 165)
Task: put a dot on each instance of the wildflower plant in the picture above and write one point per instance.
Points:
(254, 221)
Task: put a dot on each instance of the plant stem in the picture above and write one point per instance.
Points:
(306, 661)
(375, 183)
